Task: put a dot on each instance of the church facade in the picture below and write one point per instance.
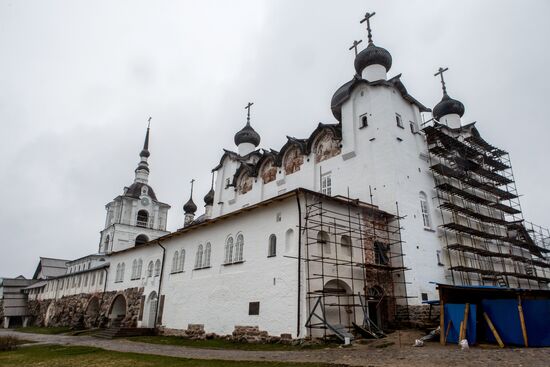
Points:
(353, 224)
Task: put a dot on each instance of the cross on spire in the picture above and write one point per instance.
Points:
(354, 46)
(440, 73)
(192, 183)
(367, 19)
(248, 112)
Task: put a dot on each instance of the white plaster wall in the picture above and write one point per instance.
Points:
(219, 296)
(390, 159)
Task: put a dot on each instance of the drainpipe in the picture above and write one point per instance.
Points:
(299, 263)
(160, 282)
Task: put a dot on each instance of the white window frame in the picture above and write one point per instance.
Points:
(425, 210)
(326, 183)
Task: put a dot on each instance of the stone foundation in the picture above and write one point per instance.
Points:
(243, 334)
(72, 310)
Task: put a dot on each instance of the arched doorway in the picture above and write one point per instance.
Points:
(338, 301)
(50, 312)
(118, 311)
(150, 310)
(91, 315)
(375, 302)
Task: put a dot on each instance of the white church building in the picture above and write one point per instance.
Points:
(352, 225)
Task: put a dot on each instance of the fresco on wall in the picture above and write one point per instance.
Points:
(269, 171)
(293, 160)
(245, 184)
(326, 147)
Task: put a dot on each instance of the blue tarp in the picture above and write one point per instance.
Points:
(455, 314)
(505, 317)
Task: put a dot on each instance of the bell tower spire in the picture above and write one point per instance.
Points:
(142, 170)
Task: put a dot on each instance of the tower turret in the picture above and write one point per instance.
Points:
(142, 170)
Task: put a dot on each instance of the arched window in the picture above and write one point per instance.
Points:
(239, 248)
(122, 268)
(142, 218)
(157, 268)
(117, 276)
(175, 262)
(141, 239)
(134, 269)
(425, 208)
(229, 250)
(92, 283)
(272, 247)
(207, 252)
(345, 242)
(139, 266)
(182, 260)
(106, 245)
(100, 277)
(289, 239)
(381, 253)
(150, 269)
(323, 240)
(198, 258)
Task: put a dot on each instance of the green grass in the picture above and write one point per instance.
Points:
(222, 344)
(65, 356)
(43, 330)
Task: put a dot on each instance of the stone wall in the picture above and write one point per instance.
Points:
(418, 316)
(1, 313)
(74, 311)
(243, 334)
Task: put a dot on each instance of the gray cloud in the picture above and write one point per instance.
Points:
(79, 80)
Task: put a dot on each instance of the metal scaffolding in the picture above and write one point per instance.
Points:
(354, 267)
(487, 240)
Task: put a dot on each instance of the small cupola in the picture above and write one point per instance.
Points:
(448, 111)
(189, 208)
(373, 63)
(247, 139)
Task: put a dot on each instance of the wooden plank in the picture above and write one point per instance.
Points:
(494, 331)
(522, 321)
(460, 332)
(447, 332)
(464, 324)
(441, 321)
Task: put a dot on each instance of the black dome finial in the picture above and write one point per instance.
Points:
(247, 134)
(447, 105)
(372, 55)
(145, 150)
(190, 207)
(209, 198)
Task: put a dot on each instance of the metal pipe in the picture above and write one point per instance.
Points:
(298, 318)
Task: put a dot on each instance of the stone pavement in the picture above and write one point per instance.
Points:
(377, 354)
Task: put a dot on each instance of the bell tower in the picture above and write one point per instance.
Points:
(136, 216)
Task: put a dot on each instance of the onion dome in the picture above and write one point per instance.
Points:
(372, 55)
(247, 135)
(448, 106)
(209, 198)
(339, 97)
(190, 207)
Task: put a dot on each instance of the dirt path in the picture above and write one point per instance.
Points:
(377, 354)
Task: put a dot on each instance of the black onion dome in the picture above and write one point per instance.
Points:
(447, 106)
(190, 207)
(247, 135)
(339, 97)
(209, 198)
(372, 55)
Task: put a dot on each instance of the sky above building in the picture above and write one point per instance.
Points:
(79, 79)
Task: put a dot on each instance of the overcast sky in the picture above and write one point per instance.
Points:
(78, 80)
